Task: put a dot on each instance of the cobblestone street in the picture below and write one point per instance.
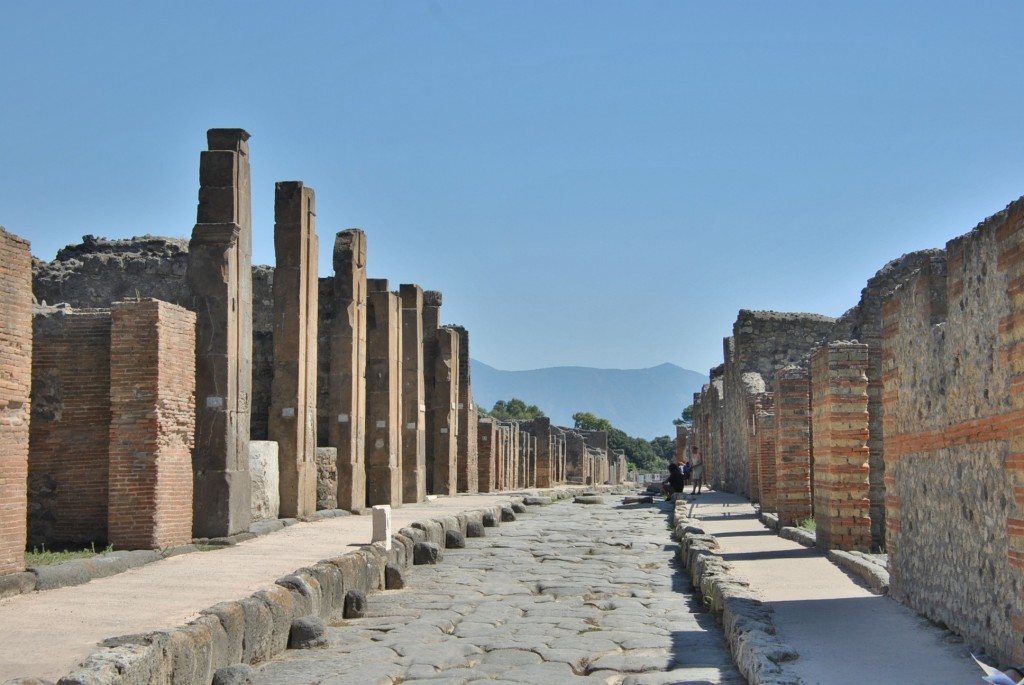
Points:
(568, 593)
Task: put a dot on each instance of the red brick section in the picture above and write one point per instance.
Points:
(681, 436)
(15, 386)
(839, 415)
(751, 407)
(764, 439)
(1010, 241)
(152, 424)
(793, 445)
(67, 466)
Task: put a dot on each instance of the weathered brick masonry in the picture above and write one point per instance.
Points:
(152, 424)
(839, 415)
(15, 389)
(68, 453)
(954, 436)
(793, 445)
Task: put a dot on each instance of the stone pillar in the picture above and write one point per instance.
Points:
(440, 359)
(414, 409)
(467, 458)
(541, 428)
(16, 341)
(220, 281)
(487, 451)
(152, 423)
(347, 375)
(839, 416)
(682, 434)
(383, 397)
(793, 445)
(292, 422)
(752, 404)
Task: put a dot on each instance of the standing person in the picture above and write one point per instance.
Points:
(696, 471)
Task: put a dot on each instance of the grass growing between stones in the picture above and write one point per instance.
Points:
(40, 556)
(807, 524)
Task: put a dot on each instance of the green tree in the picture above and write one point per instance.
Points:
(686, 418)
(639, 452)
(664, 447)
(586, 421)
(515, 409)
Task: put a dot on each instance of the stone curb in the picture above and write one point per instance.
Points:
(255, 629)
(758, 652)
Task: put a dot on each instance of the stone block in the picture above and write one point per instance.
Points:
(382, 524)
(263, 468)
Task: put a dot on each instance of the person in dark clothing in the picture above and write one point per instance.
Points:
(675, 481)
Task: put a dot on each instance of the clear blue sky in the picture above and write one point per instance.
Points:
(588, 183)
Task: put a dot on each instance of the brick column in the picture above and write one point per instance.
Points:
(152, 424)
(752, 405)
(467, 456)
(487, 452)
(68, 472)
(839, 416)
(383, 397)
(220, 281)
(414, 410)
(347, 375)
(764, 439)
(15, 388)
(793, 445)
(292, 422)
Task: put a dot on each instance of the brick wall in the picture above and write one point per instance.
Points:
(753, 406)
(953, 374)
(793, 445)
(764, 439)
(839, 415)
(152, 396)
(68, 450)
(15, 385)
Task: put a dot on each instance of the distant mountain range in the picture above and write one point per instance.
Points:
(641, 402)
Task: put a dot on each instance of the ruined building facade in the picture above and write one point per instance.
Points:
(897, 427)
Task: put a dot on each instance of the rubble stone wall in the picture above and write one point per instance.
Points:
(953, 360)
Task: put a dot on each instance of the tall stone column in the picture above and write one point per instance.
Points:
(292, 421)
(467, 460)
(793, 445)
(383, 397)
(220, 281)
(440, 359)
(414, 409)
(541, 428)
(347, 375)
(16, 341)
(488, 454)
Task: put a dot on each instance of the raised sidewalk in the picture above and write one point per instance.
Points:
(829, 627)
(48, 634)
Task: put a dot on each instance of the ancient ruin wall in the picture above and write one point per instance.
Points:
(15, 389)
(863, 323)
(839, 420)
(954, 436)
(793, 445)
(761, 344)
(68, 453)
(152, 398)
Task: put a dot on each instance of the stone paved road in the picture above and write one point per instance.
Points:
(569, 593)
